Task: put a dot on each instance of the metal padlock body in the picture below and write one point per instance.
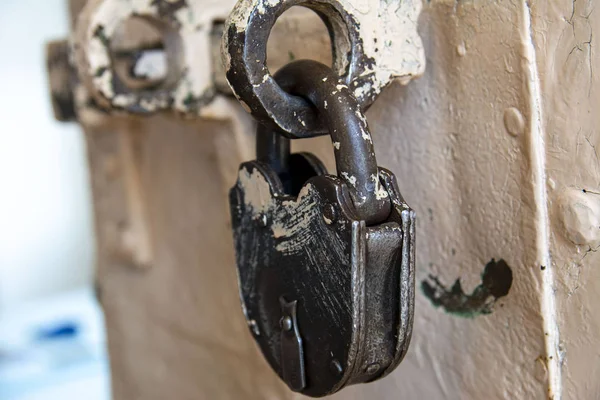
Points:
(350, 286)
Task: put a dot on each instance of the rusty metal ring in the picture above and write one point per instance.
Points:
(245, 50)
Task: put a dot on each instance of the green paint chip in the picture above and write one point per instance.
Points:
(100, 71)
(189, 100)
(100, 34)
(496, 281)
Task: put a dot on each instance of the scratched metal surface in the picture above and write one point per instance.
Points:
(296, 254)
(354, 286)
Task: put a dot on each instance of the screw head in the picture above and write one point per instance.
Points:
(372, 368)
(285, 323)
(329, 213)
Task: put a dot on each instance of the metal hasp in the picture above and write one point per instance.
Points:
(178, 31)
(346, 264)
(146, 57)
(373, 43)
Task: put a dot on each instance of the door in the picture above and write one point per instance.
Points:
(494, 146)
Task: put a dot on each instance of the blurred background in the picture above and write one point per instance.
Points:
(52, 342)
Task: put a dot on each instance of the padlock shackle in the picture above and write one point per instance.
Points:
(272, 148)
(340, 111)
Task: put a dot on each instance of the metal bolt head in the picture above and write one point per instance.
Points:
(329, 213)
(285, 323)
(372, 368)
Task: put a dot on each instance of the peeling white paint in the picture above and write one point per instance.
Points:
(257, 192)
(349, 178)
(538, 159)
(363, 90)
(304, 203)
(388, 35)
(284, 227)
(380, 192)
(366, 136)
(192, 59)
(361, 116)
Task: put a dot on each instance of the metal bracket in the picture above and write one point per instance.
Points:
(188, 40)
(185, 29)
(373, 42)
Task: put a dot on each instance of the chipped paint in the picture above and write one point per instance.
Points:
(292, 231)
(496, 281)
(349, 178)
(188, 84)
(380, 192)
(362, 91)
(257, 192)
(361, 116)
(382, 24)
(366, 135)
(303, 203)
(260, 202)
(377, 55)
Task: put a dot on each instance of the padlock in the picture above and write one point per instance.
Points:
(325, 263)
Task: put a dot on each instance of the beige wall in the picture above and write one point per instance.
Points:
(493, 147)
